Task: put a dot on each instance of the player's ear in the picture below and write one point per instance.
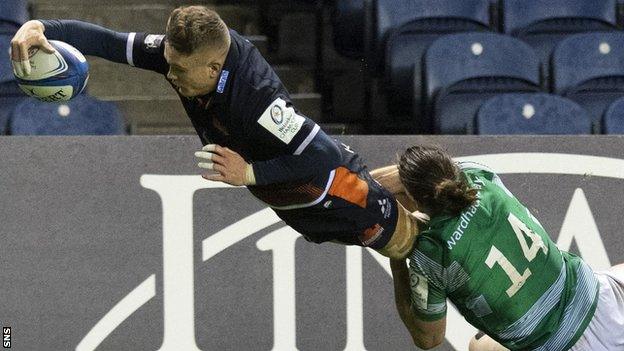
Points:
(215, 69)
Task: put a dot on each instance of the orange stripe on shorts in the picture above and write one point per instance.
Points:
(348, 186)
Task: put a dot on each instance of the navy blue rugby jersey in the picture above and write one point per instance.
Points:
(250, 112)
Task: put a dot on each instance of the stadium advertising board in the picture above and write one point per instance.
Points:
(118, 244)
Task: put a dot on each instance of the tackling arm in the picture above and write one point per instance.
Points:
(425, 334)
(388, 177)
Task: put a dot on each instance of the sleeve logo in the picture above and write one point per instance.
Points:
(420, 290)
(153, 41)
(277, 115)
(223, 78)
(281, 120)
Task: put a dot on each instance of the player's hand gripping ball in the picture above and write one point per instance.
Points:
(55, 77)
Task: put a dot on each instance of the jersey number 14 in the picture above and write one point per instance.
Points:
(495, 256)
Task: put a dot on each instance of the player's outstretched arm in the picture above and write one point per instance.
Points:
(425, 334)
(89, 38)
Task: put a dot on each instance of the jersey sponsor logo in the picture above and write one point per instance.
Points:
(152, 43)
(222, 81)
(281, 121)
(371, 235)
(386, 207)
(465, 219)
(420, 290)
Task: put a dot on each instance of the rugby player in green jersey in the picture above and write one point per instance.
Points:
(483, 250)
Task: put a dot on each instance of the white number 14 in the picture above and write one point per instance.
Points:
(495, 256)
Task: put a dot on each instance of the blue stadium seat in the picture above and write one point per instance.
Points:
(463, 70)
(83, 115)
(14, 12)
(422, 24)
(348, 20)
(531, 114)
(10, 95)
(588, 68)
(614, 118)
(392, 14)
(8, 101)
(543, 23)
(6, 70)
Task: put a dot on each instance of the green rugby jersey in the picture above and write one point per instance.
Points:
(500, 269)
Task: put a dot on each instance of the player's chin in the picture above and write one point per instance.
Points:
(185, 92)
(189, 93)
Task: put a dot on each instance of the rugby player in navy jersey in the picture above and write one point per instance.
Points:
(251, 132)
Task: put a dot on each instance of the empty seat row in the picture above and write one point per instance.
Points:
(394, 34)
(362, 23)
(83, 115)
(541, 113)
(14, 13)
(10, 94)
(407, 42)
(531, 114)
(462, 70)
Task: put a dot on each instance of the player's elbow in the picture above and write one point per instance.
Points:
(426, 340)
(324, 152)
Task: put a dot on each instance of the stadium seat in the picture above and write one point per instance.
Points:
(588, 68)
(463, 70)
(413, 29)
(14, 12)
(543, 23)
(6, 70)
(392, 14)
(10, 94)
(348, 18)
(531, 114)
(614, 118)
(83, 115)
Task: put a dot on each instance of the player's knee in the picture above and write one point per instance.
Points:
(482, 342)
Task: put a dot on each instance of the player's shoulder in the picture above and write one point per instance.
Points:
(256, 86)
(254, 74)
(431, 243)
(484, 179)
(476, 170)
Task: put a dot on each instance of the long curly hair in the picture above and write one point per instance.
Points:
(432, 178)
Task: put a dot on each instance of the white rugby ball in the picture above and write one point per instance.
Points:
(55, 77)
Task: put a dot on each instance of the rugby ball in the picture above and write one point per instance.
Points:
(55, 77)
